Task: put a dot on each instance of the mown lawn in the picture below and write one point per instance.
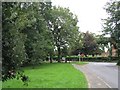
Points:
(55, 75)
(79, 63)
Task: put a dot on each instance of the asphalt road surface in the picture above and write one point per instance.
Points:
(100, 75)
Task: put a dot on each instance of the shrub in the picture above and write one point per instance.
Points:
(90, 59)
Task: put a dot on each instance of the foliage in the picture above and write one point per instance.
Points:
(112, 23)
(77, 45)
(13, 51)
(89, 44)
(40, 44)
(102, 42)
(63, 26)
(25, 36)
(31, 33)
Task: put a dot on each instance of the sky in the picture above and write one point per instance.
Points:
(89, 13)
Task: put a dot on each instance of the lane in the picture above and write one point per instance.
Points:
(106, 71)
(100, 75)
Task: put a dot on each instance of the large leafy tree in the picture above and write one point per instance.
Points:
(89, 44)
(102, 42)
(39, 43)
(25, 36)
(13, 51)
(112, 24)
(63, 26)
(77, 46)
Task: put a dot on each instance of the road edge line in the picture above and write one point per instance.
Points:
(104, 82)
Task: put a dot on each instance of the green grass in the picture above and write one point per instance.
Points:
(0, 85)
(80, 63)
(55, 75)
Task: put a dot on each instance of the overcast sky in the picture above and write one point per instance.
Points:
(89, 12)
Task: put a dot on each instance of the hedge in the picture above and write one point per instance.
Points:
(91, 59)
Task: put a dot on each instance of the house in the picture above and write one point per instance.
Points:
(106, 54)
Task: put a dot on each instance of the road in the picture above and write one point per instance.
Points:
(100, 75)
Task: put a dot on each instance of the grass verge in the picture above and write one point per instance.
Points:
(55, 75)
(80, 63)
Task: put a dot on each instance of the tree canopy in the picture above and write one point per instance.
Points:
(112, 23)
(26, 37)
(31, 33)
(63, 26)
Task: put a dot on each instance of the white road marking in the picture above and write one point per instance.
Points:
(104, 82)
(99, 83)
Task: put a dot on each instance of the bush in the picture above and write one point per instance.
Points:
(90, 59)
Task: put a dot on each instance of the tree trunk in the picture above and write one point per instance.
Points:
(118, 56)
(110, 52)
(59, 54)
(50, 60)
(93, 55)
(65, 60)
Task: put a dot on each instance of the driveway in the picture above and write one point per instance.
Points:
(99, 74)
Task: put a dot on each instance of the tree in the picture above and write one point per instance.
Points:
(89, 44)
(13, 51)
(39, 42)
(63, 26)
(102, 42)
(26, 38)
(112, 24)
(77, 45)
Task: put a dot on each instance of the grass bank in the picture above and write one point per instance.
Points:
(55, 75)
